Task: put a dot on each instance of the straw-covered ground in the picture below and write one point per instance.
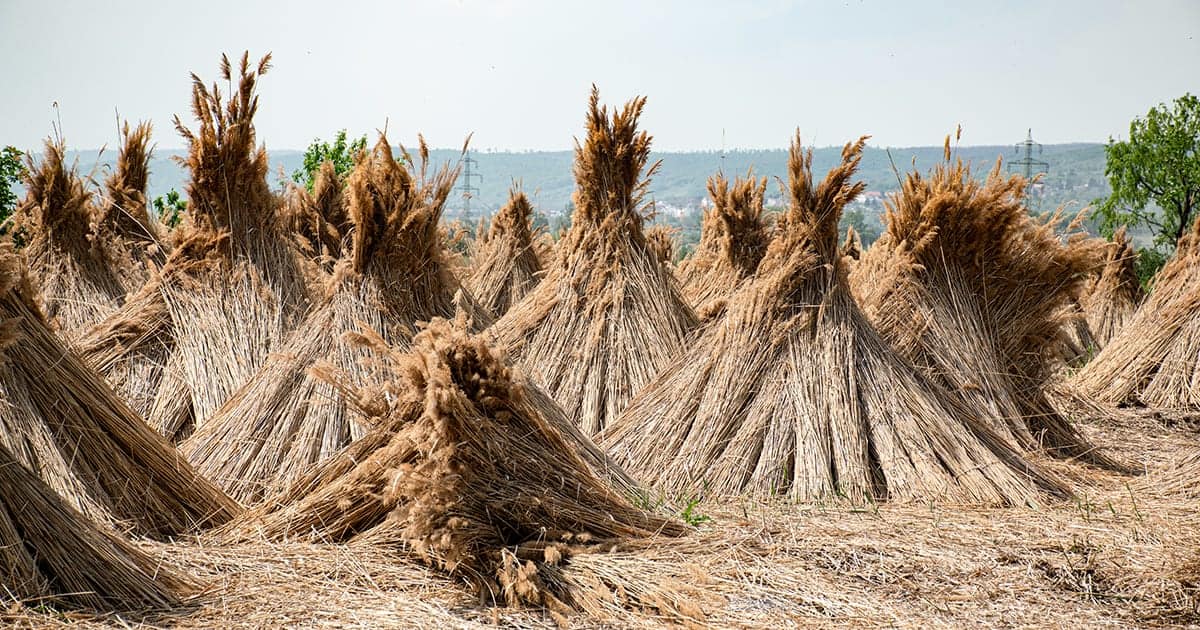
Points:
(1125, 552)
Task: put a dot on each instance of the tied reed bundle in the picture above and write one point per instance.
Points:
(237, 284)
(286, 418)
(733, 239)
(1154, 359)
(80, 280)
(1112, 296)
(608, 314)
(51, 553)
(506, 264)
(793, 392)
(60, 419)
(136, 240)
(974, 291)
(465, 473)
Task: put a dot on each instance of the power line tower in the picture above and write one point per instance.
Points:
(1029, 166)
(468, 191)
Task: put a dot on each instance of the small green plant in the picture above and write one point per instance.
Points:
(691, 516)
(171, 208)
(340, 152)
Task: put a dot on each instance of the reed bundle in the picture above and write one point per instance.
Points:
(238, 284)
(852, 246)
(505, 265)
(80, 281)
(661, 239)
(50, 553)
(974, 291)
(733, 239)
(466, 474)
(608, 314)
(287, 418)
(137, 239)
(60, 419)
(319, 218)
(1154, 359)
(792, 391)
(1112, 296)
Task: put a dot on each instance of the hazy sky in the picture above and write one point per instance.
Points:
(517, 73)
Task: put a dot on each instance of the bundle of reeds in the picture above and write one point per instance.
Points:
(852, 246)
(79, 279)
(608, 314)
(793, 392)
(733, 239)
(505, 265)
(318, 217)
(1154, 359)
(286, 418)
(60, 419)
(136, 239)
(50, 553)
(1113, 295)
(238, 283)
(661, 239)
(466, 474)
(973, 290)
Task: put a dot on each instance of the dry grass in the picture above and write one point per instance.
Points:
(733, 239)
(1121, 555)
(792, 392)
(136, 239)
(608, 315)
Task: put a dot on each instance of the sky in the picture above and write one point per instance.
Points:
(517, 73)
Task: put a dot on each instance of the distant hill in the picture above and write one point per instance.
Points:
(1076, 175)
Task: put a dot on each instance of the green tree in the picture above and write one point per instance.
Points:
(340, 152)
(11, 171)
(170, 209)
(1159, 165)
(854, 217)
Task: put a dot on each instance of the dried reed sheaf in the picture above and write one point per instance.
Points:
(974, 291)
(466, 474)
(1154, 359)
(286, 418)
(733, 239)
(792, 391)
(79, 280)
(238, 283)
(1112, 296)
(63, 421)
(318, 217)
(852, 246)
(505, 264)
(50, 553)
(608, 314)
(661, 239)
(136, 239)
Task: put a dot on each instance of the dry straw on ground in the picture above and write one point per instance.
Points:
(50, 553)
(974, 291)
(792, 392)
(394, 275)
(465, 473)
(1155, 358)
(63, 421)
(505, 265)
(1112, 296)
(80, 280)
(733, 239)
(608, 315)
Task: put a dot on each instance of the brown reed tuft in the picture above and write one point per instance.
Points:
(505, 265)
